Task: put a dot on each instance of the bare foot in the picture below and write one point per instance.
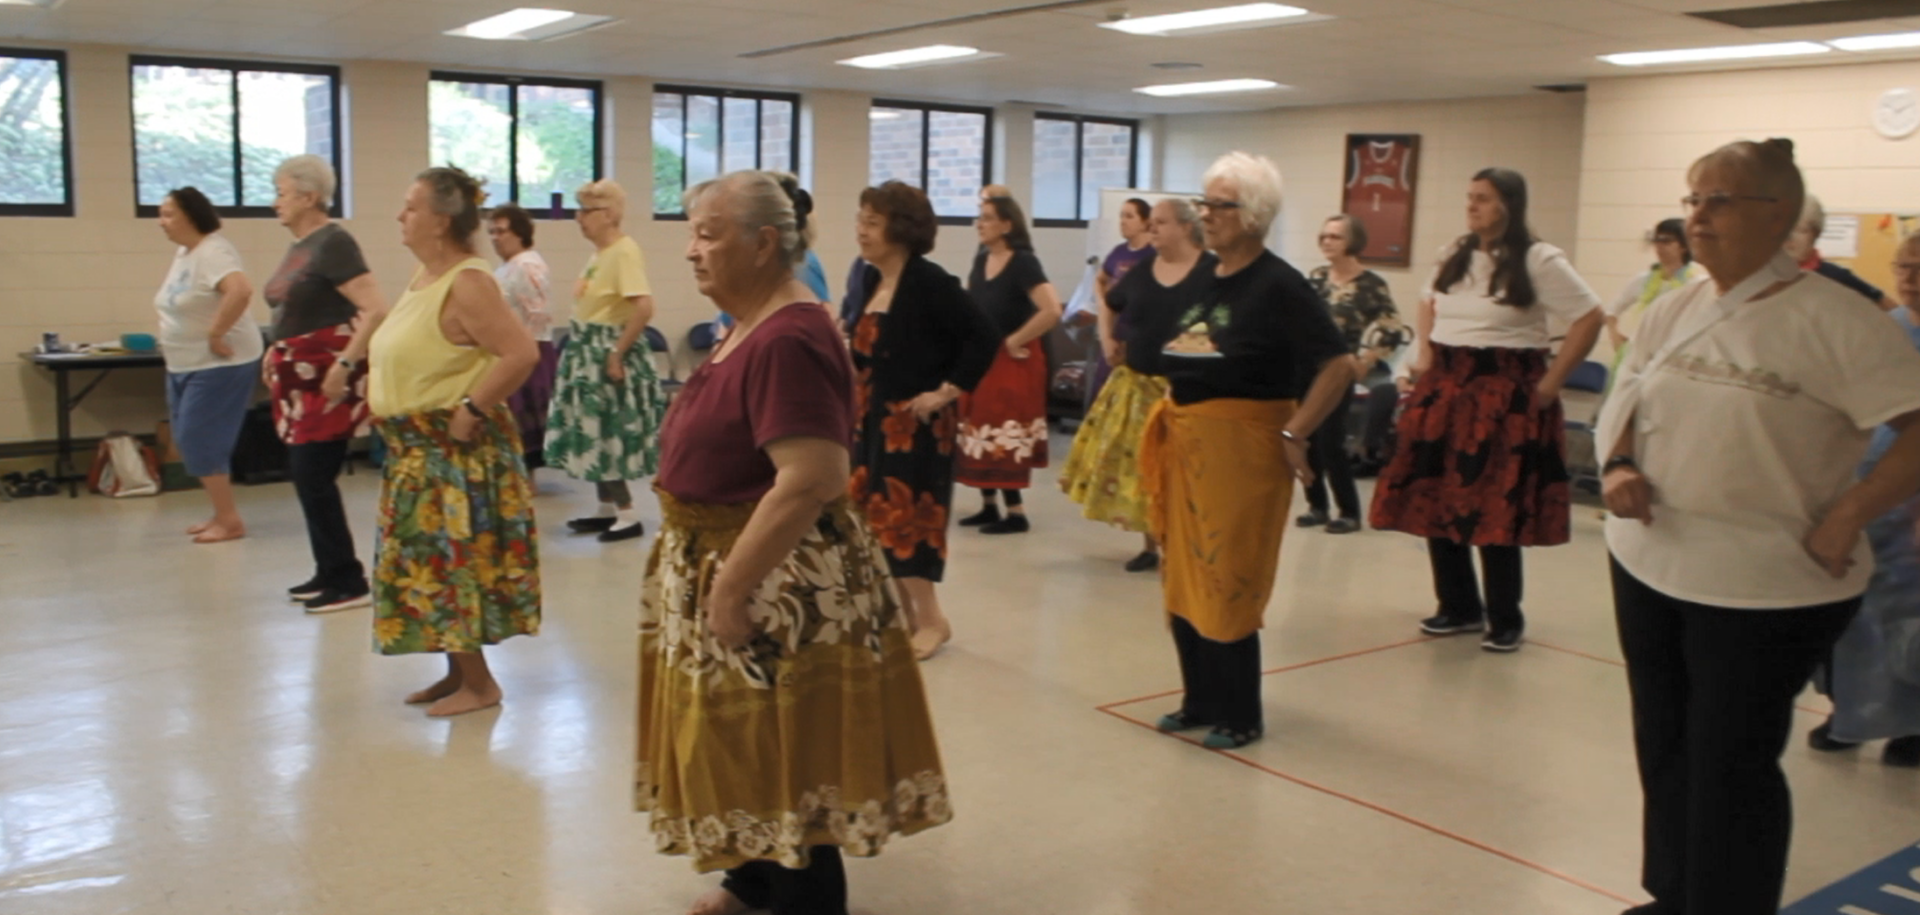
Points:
(202, 526)
(216, 533)
(718, 902)
(447, 686)
(927, 641)
(463, 701)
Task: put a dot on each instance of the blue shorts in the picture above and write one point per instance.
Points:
(207, 408)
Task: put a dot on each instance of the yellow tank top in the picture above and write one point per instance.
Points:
(412, 366)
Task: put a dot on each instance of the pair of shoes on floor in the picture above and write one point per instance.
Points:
(1011, 524)
(1147, 561)
(319, 597)
(1503, 641)
(603, 526)
(1317, 518)
(1902, 752)
(28, 485)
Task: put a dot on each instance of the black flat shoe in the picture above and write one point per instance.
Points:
(1311, 519)
(590, 525)
(1821, 738)
(1343, 526)
(986, 516)
(1145, 562)
(615, 535)
(1011, 524)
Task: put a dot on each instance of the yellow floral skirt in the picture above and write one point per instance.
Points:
(1103, 469)
(456, 563)
(816, 733)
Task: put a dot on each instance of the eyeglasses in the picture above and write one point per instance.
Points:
(1906, 269)
(1207, 204)
(585, 210)
(1333, 238)
(1717, 201)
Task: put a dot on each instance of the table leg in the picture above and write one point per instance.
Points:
(63, 460)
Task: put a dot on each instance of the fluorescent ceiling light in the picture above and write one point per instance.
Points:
(1878, 42)
(1727, 52)
(43, 4)
(527, 24)
(1248, 15)
(1211, 87)
(877, 114)
(915, 57)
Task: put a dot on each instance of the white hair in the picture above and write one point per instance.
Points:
(1258, 181)
(309, 174)
(605, 192)
(1813, 215)
(762, 200)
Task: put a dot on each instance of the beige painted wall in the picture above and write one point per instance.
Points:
(1537, 134)
(92, 277)
(1643, 132)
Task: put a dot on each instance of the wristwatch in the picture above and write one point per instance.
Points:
(473, 408)
(1616, 462)
(348, 363)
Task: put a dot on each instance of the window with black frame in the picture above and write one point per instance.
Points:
(702, 133)
(1074, 157)
(945, 150)
(34, 139)
(225, 126)
(529, 140)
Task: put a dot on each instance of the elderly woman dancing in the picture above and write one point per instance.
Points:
(782, 719)
(1221, 454)
(1742, 412)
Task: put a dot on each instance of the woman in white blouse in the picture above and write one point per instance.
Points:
(523, 279)
(1481, 453)
(1733, 434)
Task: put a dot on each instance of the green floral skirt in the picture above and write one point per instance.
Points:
(456, 563)
(600, 430)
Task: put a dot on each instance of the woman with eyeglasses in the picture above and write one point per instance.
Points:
(604, 425)
(1362, 306)
(523, 278)
(1481, 458)
(1003, 422)
(1733, 441)
(1672, 269)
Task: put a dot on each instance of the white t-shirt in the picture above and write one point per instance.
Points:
(1470, 316)
(1750, 433)
(189, 302)
(524, 282)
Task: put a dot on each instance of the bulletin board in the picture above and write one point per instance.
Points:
(1864, 243)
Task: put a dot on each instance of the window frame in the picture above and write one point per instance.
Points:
(926, 138)
(720, 141)
(514, 82)
(1080, 122)
(59, 59)
(236, 67)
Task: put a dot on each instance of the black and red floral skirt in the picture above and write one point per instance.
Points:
(1003, 423)
(902, 469)
(1480, 461)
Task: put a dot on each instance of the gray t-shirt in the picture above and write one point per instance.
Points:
(305, 291)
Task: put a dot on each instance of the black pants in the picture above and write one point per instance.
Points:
(315, 469)
(1014, 499)
(821, 889)
(1328, 457)
(1713, 692)
(1460, 592)
(1383, 403)
(1222, 678)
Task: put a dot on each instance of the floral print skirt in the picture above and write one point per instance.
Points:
(1003, 423)
(816, 733)
(1480, 461)
(1102, 472)
(456, 565)
(295, 369)
(600, 430)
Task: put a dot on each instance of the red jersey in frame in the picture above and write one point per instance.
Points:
(1382, 171)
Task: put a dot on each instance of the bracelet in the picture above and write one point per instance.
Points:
(348, 363)
(473, 408)
(1289, 436)
(1616, 462)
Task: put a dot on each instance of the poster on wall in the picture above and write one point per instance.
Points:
(1873, 238)
(1382, 170)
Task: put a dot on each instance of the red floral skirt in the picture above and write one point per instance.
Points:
(1003, 424)
(1480, 462)
(295, 368)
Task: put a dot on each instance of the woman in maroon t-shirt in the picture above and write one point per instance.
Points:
(773, 651)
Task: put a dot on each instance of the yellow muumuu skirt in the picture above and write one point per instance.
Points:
(1103, 469)
(817, 733)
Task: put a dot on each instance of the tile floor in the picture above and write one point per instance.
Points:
(176, 738)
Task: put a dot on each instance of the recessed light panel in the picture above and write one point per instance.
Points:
(1193, 22)
(1726, 52)
(916, 57)
(1886, 42)
(1211, 87)
(527, 24)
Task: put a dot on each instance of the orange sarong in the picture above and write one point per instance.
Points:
(1217, 477)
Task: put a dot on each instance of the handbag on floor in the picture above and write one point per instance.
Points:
(122, 467)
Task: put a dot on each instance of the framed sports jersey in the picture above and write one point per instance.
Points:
(1382, 170)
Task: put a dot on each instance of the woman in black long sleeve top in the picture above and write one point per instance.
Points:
(919, 343)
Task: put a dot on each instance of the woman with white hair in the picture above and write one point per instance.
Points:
(1801, 247)
(1732, 440)
(317, 380)
(603, 425)
(782, 718)
(1102, 472)
(1220, 455)
(1481, 457)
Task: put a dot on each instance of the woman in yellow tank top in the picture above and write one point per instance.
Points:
(455, 566)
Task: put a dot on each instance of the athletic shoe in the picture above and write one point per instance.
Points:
(1147, 561)
(305, 591)
(1343, 526)
(333, 600)
(1311, 519)
(1226, 738)
(1505, 642)
(1177, 721)
(617, 534)
(986, 516)
(598, 525)
(1447, 625)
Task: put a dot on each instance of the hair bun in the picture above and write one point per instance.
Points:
(1782, 144)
